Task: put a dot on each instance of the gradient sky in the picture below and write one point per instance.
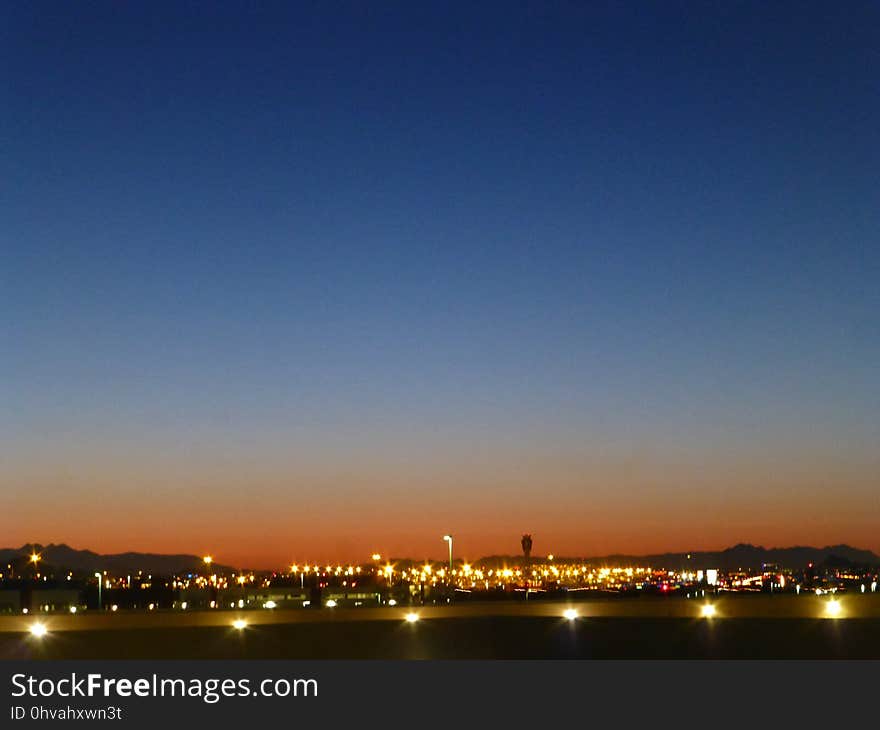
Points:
(305, 281)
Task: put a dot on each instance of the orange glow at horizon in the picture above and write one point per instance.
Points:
(273, 516)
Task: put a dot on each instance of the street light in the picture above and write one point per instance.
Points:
(100, 581)
(207, 560)
(448, 538)
(302, 580)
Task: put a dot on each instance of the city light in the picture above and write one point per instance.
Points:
(269, 604)
(570, 613)
(35, 558)
(708, 610)
(376, 556)
(239, 624)
(392, 602)
(73, 609)
(38, 630)
(411, 618)
(832, 609)
(331, 603)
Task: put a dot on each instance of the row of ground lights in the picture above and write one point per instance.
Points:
(832, 610)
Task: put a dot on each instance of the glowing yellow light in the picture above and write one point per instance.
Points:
(833, 609)
(207, 560)
(376, 556)
(73, 609)
(708, 610)
(411, 618)
(570, 613)
(35, 558)
(331, 603)
(392, 602)
(269, 604)
(39, 630)
(239, 624)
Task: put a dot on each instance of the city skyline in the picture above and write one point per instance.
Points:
(38, 557)
(292, 276)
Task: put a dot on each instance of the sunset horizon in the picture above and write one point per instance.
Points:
(439, 556)
(304, 284)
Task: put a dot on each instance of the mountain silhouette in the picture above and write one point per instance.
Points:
(743, 555)
(65, 557)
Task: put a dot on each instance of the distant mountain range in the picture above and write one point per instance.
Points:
(739, 556)
(65, 557)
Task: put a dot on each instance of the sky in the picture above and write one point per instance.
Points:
(306, 281)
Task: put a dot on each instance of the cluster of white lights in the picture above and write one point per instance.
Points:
(570, 614)
(239, 624)
(38, 629)
(708, 610)
(833, 609)
(411, 618)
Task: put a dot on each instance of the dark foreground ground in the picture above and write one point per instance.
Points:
(496, 637)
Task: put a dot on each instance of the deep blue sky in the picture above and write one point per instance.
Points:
(587, 259)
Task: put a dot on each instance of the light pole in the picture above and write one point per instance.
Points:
(207, 560)
(448, 538)
(100, 582)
